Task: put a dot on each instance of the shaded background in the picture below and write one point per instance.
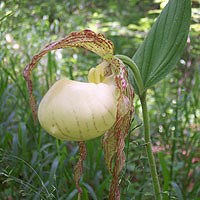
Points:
(34, 165)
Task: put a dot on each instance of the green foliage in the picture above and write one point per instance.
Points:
(31, 160)
(165, 42)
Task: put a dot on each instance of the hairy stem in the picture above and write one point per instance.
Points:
(148, 146)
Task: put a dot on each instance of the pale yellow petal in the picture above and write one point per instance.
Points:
(78, 111)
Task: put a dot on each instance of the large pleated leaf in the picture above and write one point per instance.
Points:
(165, 42)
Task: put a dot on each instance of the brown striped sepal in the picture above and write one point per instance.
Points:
(87, 39)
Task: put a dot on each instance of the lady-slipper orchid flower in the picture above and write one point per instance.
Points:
(77, 111)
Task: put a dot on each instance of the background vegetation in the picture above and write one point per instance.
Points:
(33, 165)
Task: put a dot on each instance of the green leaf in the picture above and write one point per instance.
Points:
(90, 190)
(165, 42)
(53, 170)
(177, 191)
(165, 173)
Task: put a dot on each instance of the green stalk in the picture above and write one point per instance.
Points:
(148, 146)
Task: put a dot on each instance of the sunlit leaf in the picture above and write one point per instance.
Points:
(162, 48)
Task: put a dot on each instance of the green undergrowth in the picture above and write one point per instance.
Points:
(34, 165)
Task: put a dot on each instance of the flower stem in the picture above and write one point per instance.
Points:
(148, 146)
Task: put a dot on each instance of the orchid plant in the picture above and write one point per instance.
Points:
(77, 111)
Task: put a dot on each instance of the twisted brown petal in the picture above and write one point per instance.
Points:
(113, 141)
(78, 170)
